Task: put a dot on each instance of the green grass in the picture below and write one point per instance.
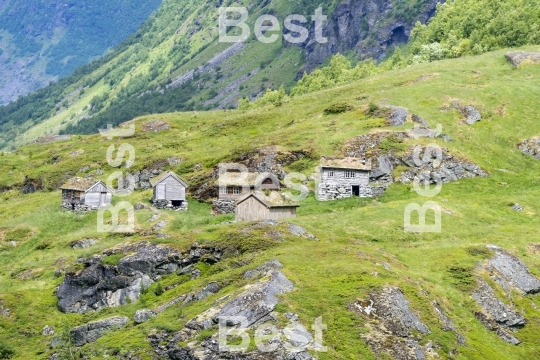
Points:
(354, 235)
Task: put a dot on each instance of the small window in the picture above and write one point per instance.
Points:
(225, 190)
(350, 174)
(331, 173)
(236, 190)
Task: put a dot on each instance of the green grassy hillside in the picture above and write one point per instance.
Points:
(354, 235)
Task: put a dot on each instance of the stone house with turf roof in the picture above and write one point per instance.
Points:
(343, 178)
(82, 194)
(258, 206)
(233, 186)
(169, 192)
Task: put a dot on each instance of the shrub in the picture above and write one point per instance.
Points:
(338, 108)
(6, 352)
(159, 290)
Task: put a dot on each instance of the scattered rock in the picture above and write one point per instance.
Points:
(156, 125)
(517, 207)
(141, 206)
(92, 331)
(514, 271)
(83, 243)
(518, 58)
(530, 147)
(419, 120)
(300, 231)
(159, 226)
(174, 161)
(142, 316)
(4, 311)
(153, 218)
(262, 270)
(471, 114)
(397, 117)
(47, 331)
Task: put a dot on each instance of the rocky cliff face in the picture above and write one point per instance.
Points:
(369, 28)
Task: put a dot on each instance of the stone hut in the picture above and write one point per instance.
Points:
(343, 178)
(81, 194)
(169, 192)
(257, 206)
(233, 186)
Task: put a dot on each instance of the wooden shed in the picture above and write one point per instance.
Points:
(85, 194)
(169, 191)
(343, 178)
(235, 185)
(258, 206)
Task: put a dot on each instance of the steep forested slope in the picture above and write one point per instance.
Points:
(175, 62)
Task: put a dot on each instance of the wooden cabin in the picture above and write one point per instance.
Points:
(83, 194)
(234, 186)
(257, 207)
(169, 192)
(343, 178)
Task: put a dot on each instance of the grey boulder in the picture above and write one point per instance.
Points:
(92, 331)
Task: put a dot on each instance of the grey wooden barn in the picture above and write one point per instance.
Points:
(258, 206)
(81, 194)
(169, 192)
(343, 178)
(236, 185)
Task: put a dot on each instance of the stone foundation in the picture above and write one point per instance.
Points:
(220, 207)
(336, 192)
(167, 205)
(79, 208)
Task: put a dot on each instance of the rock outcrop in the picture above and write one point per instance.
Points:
(509, 272)
(518, 58)
(368, 28)
(513, 271)
(496, 315)
(256, 306)
(99, 285)
(415, 161)
(90, 332)
(143, 315)
(391, 326)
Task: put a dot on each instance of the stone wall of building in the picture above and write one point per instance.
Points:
(220, 207)
(328, 191)
(167, 205)
(79, 207)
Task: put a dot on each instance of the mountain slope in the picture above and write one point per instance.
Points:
(361, 248)
(155, 71)
(42, 40)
